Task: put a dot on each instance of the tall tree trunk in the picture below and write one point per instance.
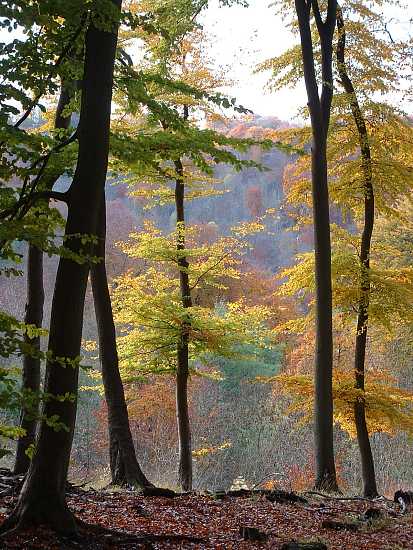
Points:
(42, 499)
(320, 108)
(366, 455)
(124, 466)
(34, 316)
(182, 368)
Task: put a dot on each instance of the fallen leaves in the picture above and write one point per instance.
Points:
(126, 520)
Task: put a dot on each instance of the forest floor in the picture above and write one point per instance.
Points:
(127, 520)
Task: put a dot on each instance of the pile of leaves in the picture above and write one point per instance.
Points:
(123, 520)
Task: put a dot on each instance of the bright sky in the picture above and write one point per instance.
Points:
(246, 36)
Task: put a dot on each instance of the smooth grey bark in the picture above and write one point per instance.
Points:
(366, 455)
(42, 498)
(320, 108)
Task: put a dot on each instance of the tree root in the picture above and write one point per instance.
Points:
(59, 519)
(158, 492)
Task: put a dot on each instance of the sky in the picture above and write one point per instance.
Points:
(243, 38)
(247, 36)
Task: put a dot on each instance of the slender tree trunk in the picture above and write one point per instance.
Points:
(366, 455)
(320, 108)
(31, 362)
(124, 466)
(182, 368)
(42, 499)
(34, 316)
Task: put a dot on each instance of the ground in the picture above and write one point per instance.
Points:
(125, 520)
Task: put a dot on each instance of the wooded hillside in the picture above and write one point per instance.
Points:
(203, 308)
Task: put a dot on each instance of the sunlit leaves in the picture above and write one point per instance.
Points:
(389, 408)
(149, 309)
(391, 294)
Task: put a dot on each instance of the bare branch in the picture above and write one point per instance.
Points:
(49, 195)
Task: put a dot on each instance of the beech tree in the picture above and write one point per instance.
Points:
(361, 172)
(34, 316)
(316, 23)
(35, 159)
(124, 466)
(150, 249)
(374, 63)
(151, 314)
(367, 462)
(42, 498)
(177, 86)
(67, 68)
(320, 108)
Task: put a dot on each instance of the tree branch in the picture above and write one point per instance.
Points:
(303, 14)
(207, 271)
(331, 16)
(66, 50)
(326, 36)
(125, 58)
(317, 16)
(49, 195)
(24, 201)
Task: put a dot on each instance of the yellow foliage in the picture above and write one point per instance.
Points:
(247, 228)
(150, 315)
(391, 288)
(389, 409)
(205, 451)
(89, 345)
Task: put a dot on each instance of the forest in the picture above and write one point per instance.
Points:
(206, 312)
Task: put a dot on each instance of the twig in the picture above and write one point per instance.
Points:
(23, 200)
(66, 50)
(210, 268)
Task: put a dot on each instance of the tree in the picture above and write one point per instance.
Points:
(182, 368)
(42, 499)
(177, 82)
(319, 108)
(34, 316)
(36, 155)
(372, 66)
(68, 71)
(367, 462)
(151, 314)
(124, 466)
(387, 405)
